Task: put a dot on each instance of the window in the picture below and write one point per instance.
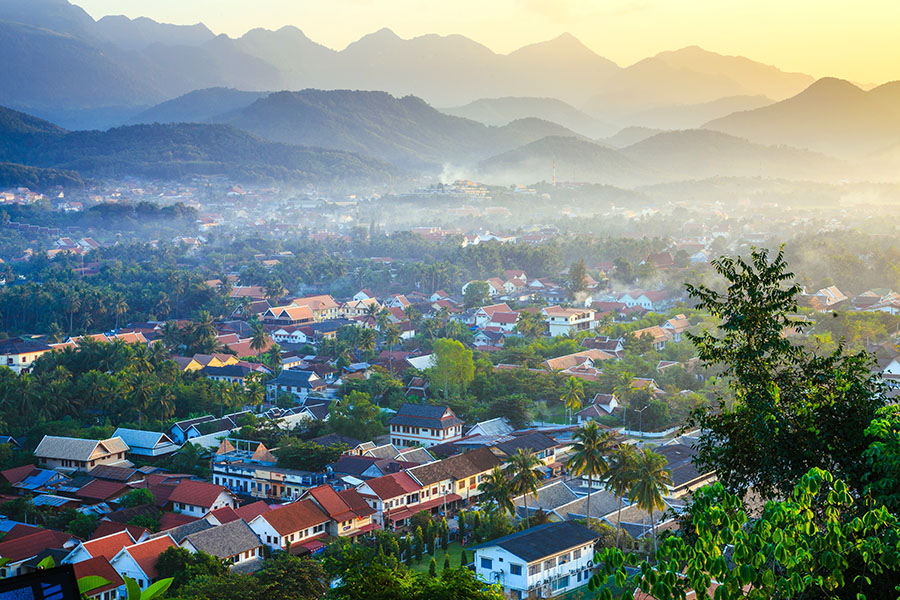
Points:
(564, 558)
(558, 584)
(515, 569)
(577, 554)
(486, 563)
(534, 569)
(549, 564)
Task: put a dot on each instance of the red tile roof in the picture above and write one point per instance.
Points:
(356, 503)
(393, 485)
(196, 493)
(17, 474)
(31, 545)
(146, 553)
(99, 567)
(110, 527)
(226, 514)
(20, 530)
(108, 546)
(169, 520)
(250, 511)
(333, 505)
(99, 489)
(295, 517)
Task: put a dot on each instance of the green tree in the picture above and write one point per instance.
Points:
(620, 477)
(288, 577)
(259, 338)
(573, 396)
(454, 367)
(355, 416)
(813, 544)
(588, 457)
(650, 483)
(307, 456)
(793, 410)
(137, 497)
(495, 489)
(184, 566)
(432, 568)
(477, 294)
(577, 283)
(525, 476)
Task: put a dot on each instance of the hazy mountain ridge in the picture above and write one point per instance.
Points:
(831, 115)
(176, 150)
(406, 131)
(157, 61)
(500, 111)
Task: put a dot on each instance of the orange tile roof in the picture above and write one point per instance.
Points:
(295, 517)
(108, 546)
(146, 553)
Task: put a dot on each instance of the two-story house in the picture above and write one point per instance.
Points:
(234, 543)
(291, 526)
(543, 561)
(298, 383)
(457, 475)
(138, 561)
(395, 498)
(566, 321)
(424, 425)
(349, 513)
(72, 454)
(19, 354)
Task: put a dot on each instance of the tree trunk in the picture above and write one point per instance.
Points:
(619, 522)
(525, 499)
(590, 490)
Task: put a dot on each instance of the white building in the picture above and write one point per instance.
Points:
(565, 321)
(424, 425)
(542, 561)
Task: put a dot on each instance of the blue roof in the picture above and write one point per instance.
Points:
(138, 438)
(51, 500)
(39, 479)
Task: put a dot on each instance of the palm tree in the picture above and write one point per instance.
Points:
(589, 452)
(120, 308)
(651, 481)
(523, 470)
(495, 488)
(205, 326)
(620, 477)
(259, 339)
(573, 395)
(366, 341)
(392, 336)
(623, 386)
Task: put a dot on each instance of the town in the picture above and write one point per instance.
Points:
(508, 411)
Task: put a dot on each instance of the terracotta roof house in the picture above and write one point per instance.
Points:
(198, 498)
(99, 567)
(395, 497)
(139, 560)
(26, 547)
(291, 526)
(349, 513)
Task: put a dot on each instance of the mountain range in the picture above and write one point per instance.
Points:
(84, 65)
(172, 151)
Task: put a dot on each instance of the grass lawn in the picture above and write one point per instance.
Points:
(453, 551)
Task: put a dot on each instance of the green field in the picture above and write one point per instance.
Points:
(453, 551)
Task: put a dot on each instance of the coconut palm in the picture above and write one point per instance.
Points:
(623, 386)
(523, 470)
(620, 477)
(573, 395)
(366, 341)
(120, 308)
(495, 488)
(259, 339)
(589, 452)
(651, 481)
(391, 337)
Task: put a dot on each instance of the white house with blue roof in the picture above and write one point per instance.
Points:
(543, 561)
(146, 443)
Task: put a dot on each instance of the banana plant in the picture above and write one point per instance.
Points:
(89, 583)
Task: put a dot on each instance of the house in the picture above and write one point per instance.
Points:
(299, 383)
(23, 543)
(503, 321)
(685, 476)
(494, 289)
(417, 388)
(486, 340)
(292, 526)
(661, 260)
(585, 358)
(72, 454)
(830, 296)
(198, 498)
(424, 425)
(568, 321)
(613, 346)
(98, 490)
(235, 374)
(657, 336)
(656, 301)
(19, 354)
(323, 306)
(349, 513)
(539, 444)
(395, 498)
(363, 295)
(498, 426)
(139, 561)
(288, 315)
(107, 546)
(397, 301)
(100, 567)
(358, 308)
(543, 561)
(146, 443)
(233, 543)
(248, 468)
(484, 314)
(205, 431)
(456, 478)
(677, 325)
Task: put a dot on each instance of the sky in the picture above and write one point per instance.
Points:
(852, 40)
